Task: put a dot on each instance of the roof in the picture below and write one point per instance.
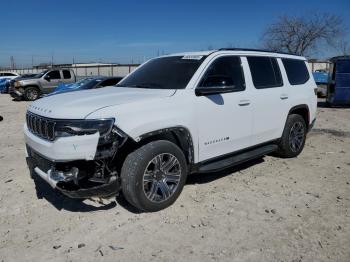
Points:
(242, 51)
(336, 58)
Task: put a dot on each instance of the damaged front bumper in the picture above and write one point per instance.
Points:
(80, 166)
(71, 178)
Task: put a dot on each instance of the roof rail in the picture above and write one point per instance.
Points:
(336, 58)
(256, 50)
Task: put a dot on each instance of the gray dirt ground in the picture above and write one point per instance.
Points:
(267, 210)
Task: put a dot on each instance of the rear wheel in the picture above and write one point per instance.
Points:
(293, 138)
(31, 93)
(154, 175)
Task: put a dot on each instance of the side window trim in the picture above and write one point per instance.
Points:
(205, 70)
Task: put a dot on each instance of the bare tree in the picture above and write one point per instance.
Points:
(344, 47)
(302, 35)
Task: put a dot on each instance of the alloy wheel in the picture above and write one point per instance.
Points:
(161, 177)
(296, 136)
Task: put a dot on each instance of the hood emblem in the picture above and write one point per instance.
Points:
(41, 109)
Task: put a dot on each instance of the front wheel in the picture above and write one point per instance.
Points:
(154, 175)
(293, 138)
(31, 93)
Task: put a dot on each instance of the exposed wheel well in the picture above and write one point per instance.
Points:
(302, 110)
(25, 87)
(177, 135)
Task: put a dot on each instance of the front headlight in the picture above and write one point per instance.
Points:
(18, 84)
(66, 128)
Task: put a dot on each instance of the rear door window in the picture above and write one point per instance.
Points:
(265, 72)
(66, 74)
(296, 70)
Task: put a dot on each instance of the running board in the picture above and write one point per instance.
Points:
(237, 159)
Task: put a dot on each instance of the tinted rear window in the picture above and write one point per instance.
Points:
(265, 72)
(296, 70)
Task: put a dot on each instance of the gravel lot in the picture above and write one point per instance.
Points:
(270, 209)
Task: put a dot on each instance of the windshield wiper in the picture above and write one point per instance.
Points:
(143, 85)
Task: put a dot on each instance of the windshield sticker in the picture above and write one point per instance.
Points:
(193, 57)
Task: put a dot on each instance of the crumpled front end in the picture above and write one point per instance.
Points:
(80, 166)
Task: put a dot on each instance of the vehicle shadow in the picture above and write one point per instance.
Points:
(323, 104)
(198, 178)
(203, 178)
(60, 201)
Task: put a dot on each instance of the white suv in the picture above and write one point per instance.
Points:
(174, 115)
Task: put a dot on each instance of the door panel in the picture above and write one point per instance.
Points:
(224, 125)
(55, 80)
(224, 120)
(270, 103)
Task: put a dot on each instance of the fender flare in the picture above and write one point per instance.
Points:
(301, 106)
(182, 135)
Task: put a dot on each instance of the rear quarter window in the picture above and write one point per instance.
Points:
(265, 72)
(296, 70)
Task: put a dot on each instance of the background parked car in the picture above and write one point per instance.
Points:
(4, 78)
(87, 83)
(43, 83)
(6, 83)
(3, 83)
(8, 75)
(338, 90)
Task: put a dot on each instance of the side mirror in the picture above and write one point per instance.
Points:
(215, 84)
(47, 78)
(206, 91)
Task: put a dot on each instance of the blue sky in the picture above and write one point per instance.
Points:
(125, 31)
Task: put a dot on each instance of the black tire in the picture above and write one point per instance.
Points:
(287, 146)
(133, 174)
(31, 93)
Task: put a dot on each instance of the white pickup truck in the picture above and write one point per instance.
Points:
(174, 115)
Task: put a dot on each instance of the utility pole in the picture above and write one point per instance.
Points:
(12, 62)
(32, 61)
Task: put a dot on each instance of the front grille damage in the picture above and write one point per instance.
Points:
(83, 179)
(41, 126)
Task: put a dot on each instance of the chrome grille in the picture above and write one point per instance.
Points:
(41, 126)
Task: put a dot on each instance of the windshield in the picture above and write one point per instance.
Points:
(90, 84)
(40, 74)
(173, 72)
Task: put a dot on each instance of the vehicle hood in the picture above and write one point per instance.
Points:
(77, 105)
(24, 78)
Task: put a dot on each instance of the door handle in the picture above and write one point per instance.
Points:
(244, 102)
(284, 96)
